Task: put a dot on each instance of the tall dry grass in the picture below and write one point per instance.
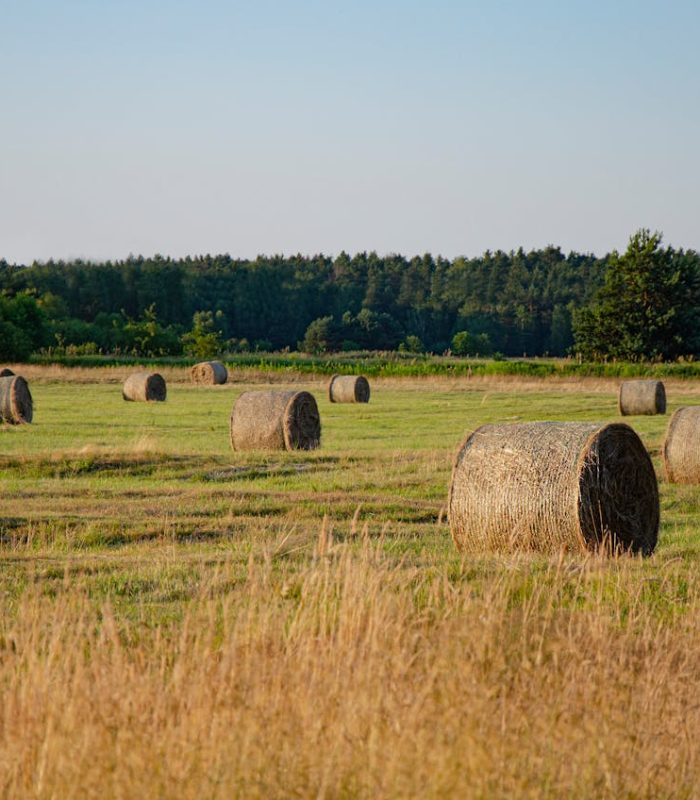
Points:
(354, 678)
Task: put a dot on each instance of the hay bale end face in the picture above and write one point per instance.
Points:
(681, 447)
(275, 420)
(552, 486)
(641, 397)
(348, 389)
(144, 387)
(16, 404)
(209, 373)
(6, 372)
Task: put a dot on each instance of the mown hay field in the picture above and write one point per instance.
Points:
(179, 620)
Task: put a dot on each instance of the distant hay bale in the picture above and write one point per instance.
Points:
(15, 400)
(209, 373)
(681, 447)
(641, 397)
(144, 387)
(348, 389)
(548, 486)
(275, 420)
(6, 372)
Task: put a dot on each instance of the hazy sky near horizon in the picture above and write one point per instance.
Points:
(178, 127)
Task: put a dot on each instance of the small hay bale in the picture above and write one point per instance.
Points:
(144, 387)
(348, 389)
(6, 372)
(552, 486)
(641, 397)
(275, 420)
(681, 448)
(209, 373)
(15, 400)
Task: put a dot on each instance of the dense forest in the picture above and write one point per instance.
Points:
(514, 303)
(510, 303)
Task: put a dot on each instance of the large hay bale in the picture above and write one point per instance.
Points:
(275, 420)
(15, 400)
(641, 397)
(144, 387)
(209, 373)
(348, 389)
(5, 372)
(681, 448)
(549, 486)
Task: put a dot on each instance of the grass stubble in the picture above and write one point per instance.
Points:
(180, 621)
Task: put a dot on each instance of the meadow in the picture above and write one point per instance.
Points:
(179, 620)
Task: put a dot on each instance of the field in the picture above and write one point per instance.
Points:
(178, 620)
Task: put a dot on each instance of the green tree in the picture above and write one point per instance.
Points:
(648, 306)
(412, 344)
(320, 336)
(23, 327)
(561, 337)
(465, 343)
(204, 340)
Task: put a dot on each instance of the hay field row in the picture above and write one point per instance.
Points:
(179, 619)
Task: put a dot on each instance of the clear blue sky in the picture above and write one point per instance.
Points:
(281, 127)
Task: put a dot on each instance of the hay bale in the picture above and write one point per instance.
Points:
(348, 389)
(15, 400)
(5, 372)
(209, 373)
(549, 486)
(275, 420)
(144, 387)
(681, 447)
(641, 397)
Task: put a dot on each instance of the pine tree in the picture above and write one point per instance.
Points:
(648, 306)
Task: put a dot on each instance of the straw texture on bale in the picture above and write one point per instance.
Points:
(275, 420)
(552, 486)
(641, 397)
(5, 372)
(348, 389)
(15, 400)
(681, 448)
(209, 372)
(144, 387)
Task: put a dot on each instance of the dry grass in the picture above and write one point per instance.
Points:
(355, 678)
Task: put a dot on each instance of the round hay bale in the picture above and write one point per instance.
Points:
(15, 400)
(348, 389)
(641, 397)
(144, 387)
(681, 447)
(5, 372)
(549, 486)
(209, 373)
(275, 420)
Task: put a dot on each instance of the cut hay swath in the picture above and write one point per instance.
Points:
(681, 448)
(275, 420)
(348, 389)
(15, 400)
(641, 397)
(209, 373)
(553, 486)
(144, 387)
(6, 372)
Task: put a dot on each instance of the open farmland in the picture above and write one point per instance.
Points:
(179, 619)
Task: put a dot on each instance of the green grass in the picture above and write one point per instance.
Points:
(141, 500)
(395, 364)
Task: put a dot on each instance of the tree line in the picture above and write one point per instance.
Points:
(540, 302)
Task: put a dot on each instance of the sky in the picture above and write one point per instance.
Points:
(177, 127)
